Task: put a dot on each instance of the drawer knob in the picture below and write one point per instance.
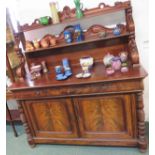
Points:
(69, 91)
(37, 92)
(45, 91)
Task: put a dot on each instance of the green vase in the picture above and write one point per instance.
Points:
(79, 6)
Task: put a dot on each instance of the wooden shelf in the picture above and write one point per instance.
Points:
(87, 40)
(88, 13)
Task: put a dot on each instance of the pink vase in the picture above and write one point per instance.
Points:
(116, 63)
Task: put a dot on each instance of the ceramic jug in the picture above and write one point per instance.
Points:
(54, 12)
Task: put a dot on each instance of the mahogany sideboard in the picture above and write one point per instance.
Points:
(101, 110)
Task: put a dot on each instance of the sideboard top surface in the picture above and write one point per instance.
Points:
(98, 76)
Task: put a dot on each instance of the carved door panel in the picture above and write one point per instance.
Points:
(53, 118)
(107, 116)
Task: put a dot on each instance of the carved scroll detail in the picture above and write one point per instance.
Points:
(35, 24)
(99, 28)
(141, 123)
(25, 124)
(133, 50)
(92, 30)
(69, 14)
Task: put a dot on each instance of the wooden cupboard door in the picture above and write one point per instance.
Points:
(107, 116)
(53, 118)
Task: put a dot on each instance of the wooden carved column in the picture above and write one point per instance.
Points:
(141, 123)
(25, 124)
(20, 72)
(131, 43)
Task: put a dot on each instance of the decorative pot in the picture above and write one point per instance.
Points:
(110, 71)
(29, 46)
(44, 43)
(117, 31)
(123, 56)
(108, 59)
(68, 36)
(116, 63)
(36, 44)
(52, 41)
(79, 33)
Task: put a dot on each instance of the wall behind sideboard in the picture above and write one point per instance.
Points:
(29, 10)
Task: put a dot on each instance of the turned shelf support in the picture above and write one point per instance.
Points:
(25, 124)
(142, 142)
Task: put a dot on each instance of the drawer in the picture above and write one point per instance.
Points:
(109, 87)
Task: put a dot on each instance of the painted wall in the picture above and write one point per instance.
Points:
(27, 13)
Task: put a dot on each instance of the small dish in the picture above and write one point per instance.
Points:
(79, 75)
(86, 75)
(61, 77)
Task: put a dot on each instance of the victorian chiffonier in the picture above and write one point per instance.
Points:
(105, 110)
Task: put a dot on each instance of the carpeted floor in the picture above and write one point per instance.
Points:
(19, 146)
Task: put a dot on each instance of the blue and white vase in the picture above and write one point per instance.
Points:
(68, 36)
(79, 32)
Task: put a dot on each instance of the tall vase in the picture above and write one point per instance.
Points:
(79, 7)
(54, 12)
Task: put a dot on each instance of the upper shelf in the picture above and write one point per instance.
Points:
(68, 15)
